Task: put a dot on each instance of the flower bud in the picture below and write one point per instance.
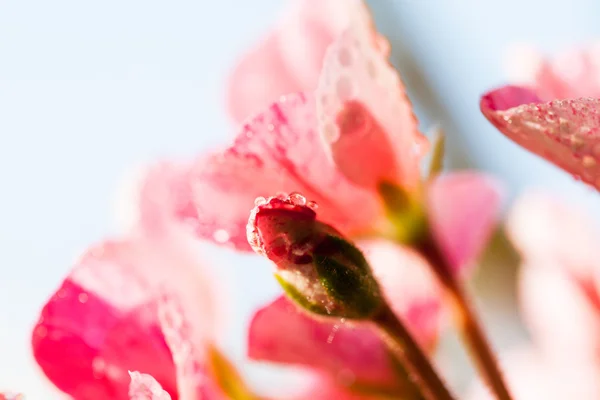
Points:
(316, 266)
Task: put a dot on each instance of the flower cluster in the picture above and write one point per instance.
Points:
(325, 180)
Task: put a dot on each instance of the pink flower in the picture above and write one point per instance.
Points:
(554, 114)
(559, 292)
(290, 57)
(127, 306)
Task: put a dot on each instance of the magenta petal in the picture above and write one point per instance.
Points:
(277, 151)
(105, 317)
(564, 132)
(463, 208)
(281, 333)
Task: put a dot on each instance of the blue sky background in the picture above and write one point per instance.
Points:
(88, 89)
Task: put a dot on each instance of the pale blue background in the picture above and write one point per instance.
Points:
(89, 88)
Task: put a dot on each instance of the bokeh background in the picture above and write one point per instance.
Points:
(89, 90)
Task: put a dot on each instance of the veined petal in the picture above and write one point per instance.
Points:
(365, 117)
(277, 151)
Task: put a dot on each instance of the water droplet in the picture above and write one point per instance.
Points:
(259, 201)
(588, 161)
(577, 142)
(312, 205)
(345, 57)
(330, 133)
(271, 127)
(371, 70)
(297, 199)
(83, 298)
(332, 334)
(344, 88)
(281, 196)
(41, 331)
(221, 236)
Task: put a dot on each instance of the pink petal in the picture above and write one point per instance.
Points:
(531, 377)
(463, 209)
(156, 199)
(193, 381)
(321, 387)
(105, 317)
(569, 75)
(410, 288)
(277, 151)
(290, 58)
(365, 116)
(549, 298)
(543, 228)
(282, 333)
(259, 78)
(564, 132)
(145, 387)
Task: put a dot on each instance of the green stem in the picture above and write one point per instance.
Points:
(419, 369)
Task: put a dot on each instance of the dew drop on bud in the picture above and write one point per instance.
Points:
(312, 205)
(259, 201)
(221, 236)
(281, 196)
(83, 298)
(297, 199)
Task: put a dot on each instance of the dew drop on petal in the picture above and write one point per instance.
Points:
(221, 236)
(83, 298)
(312, 205)
(330, 133)
(345, 57)
(344, 88)
(297, 199)
(588, 161)
(259, 201)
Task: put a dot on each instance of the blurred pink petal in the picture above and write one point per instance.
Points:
(559, 280)
(550, 298)
(463, 209)
(145, 387)
(409, 286)
(531, 377)
(155, 199)
(282, 333)
(543, 228)
(365, 116)
(564, 132)
(105, 317)
(572, 74)
(320, 387)
(277, 151)
(289, 59)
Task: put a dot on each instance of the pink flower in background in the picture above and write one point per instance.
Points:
(132, 304)
(554, 113)
(560, 299)
(290, 57)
